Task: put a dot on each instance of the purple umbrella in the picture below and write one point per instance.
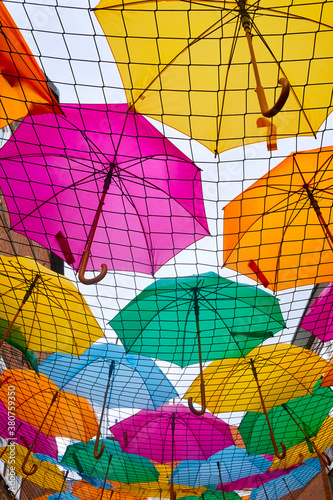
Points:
(172, 433)
(254, 481)
(319, 318)
(23, 433)
(102, 184)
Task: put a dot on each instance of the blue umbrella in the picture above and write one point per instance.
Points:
(282, 486)
(108, 376)
(62, 496)
(230, 464)
(135, 381)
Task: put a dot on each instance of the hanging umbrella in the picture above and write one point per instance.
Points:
(187, 64)
(301, 451)
(111, 378)
(46, 306)
(46, 476)
(113, 465)
(160, 488)
(24, 90)
(291, 422)
(86, 491)
(287, 211)
(266, 377)
(254, 481)
(41, 403)
(216, 495)
(296, 479)
(230, 464)
(196, 319)
(102, 178)
(160, 435)
(319, 317)
(23, 433)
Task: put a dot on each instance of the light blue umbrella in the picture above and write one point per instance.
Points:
(230, 464)
(134, 381)
(108, 376)
(282, 486)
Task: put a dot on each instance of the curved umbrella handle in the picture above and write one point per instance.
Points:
(269, 113)
(276, 449)
(203, 403)
(98, 454)
(82, 270)
(24, 463)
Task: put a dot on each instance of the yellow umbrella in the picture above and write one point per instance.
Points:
(279, 230)
(266, 377)
(160, 488)
(47, 475)
(187, 65)
(301, 452)
(46, 307)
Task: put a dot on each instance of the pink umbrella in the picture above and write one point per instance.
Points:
(319, 318)
(23, 433)
(172, 433)
(102, 184)
(254, 481)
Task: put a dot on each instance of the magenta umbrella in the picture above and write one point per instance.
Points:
(319, 318)
(23, 433)
(101, 184)
(254, 481)
(172, 433)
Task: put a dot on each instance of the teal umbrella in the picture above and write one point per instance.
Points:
(292, 422)
(214, 495)
(196, 319)
(18, 340)
(113, 465)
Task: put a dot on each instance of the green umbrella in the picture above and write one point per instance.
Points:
(292, 422)
(113, 465)
(18, 340)
(196, 319)
(214, 495)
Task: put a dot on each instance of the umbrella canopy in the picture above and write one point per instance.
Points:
(24, 434)
(233, 318)
(297, 478)
(113, 465)
(160, 435)
(47, 475)
(288, 211)
(160, 488)
(230, 464)
(289, 421)
(216, 495)
(319, 317)
(284, 372)
(86, 491)
(24, 90)
(187, 64)
(136, 381)
(255, 480)
(42, 404)
(322, 441)
(46, 306)
(102, 159)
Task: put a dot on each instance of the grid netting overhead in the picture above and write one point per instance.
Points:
(166, 250)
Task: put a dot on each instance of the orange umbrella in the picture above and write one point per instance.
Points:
(42, 404)
(23, 85)
(279, 231)
(86, 491)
